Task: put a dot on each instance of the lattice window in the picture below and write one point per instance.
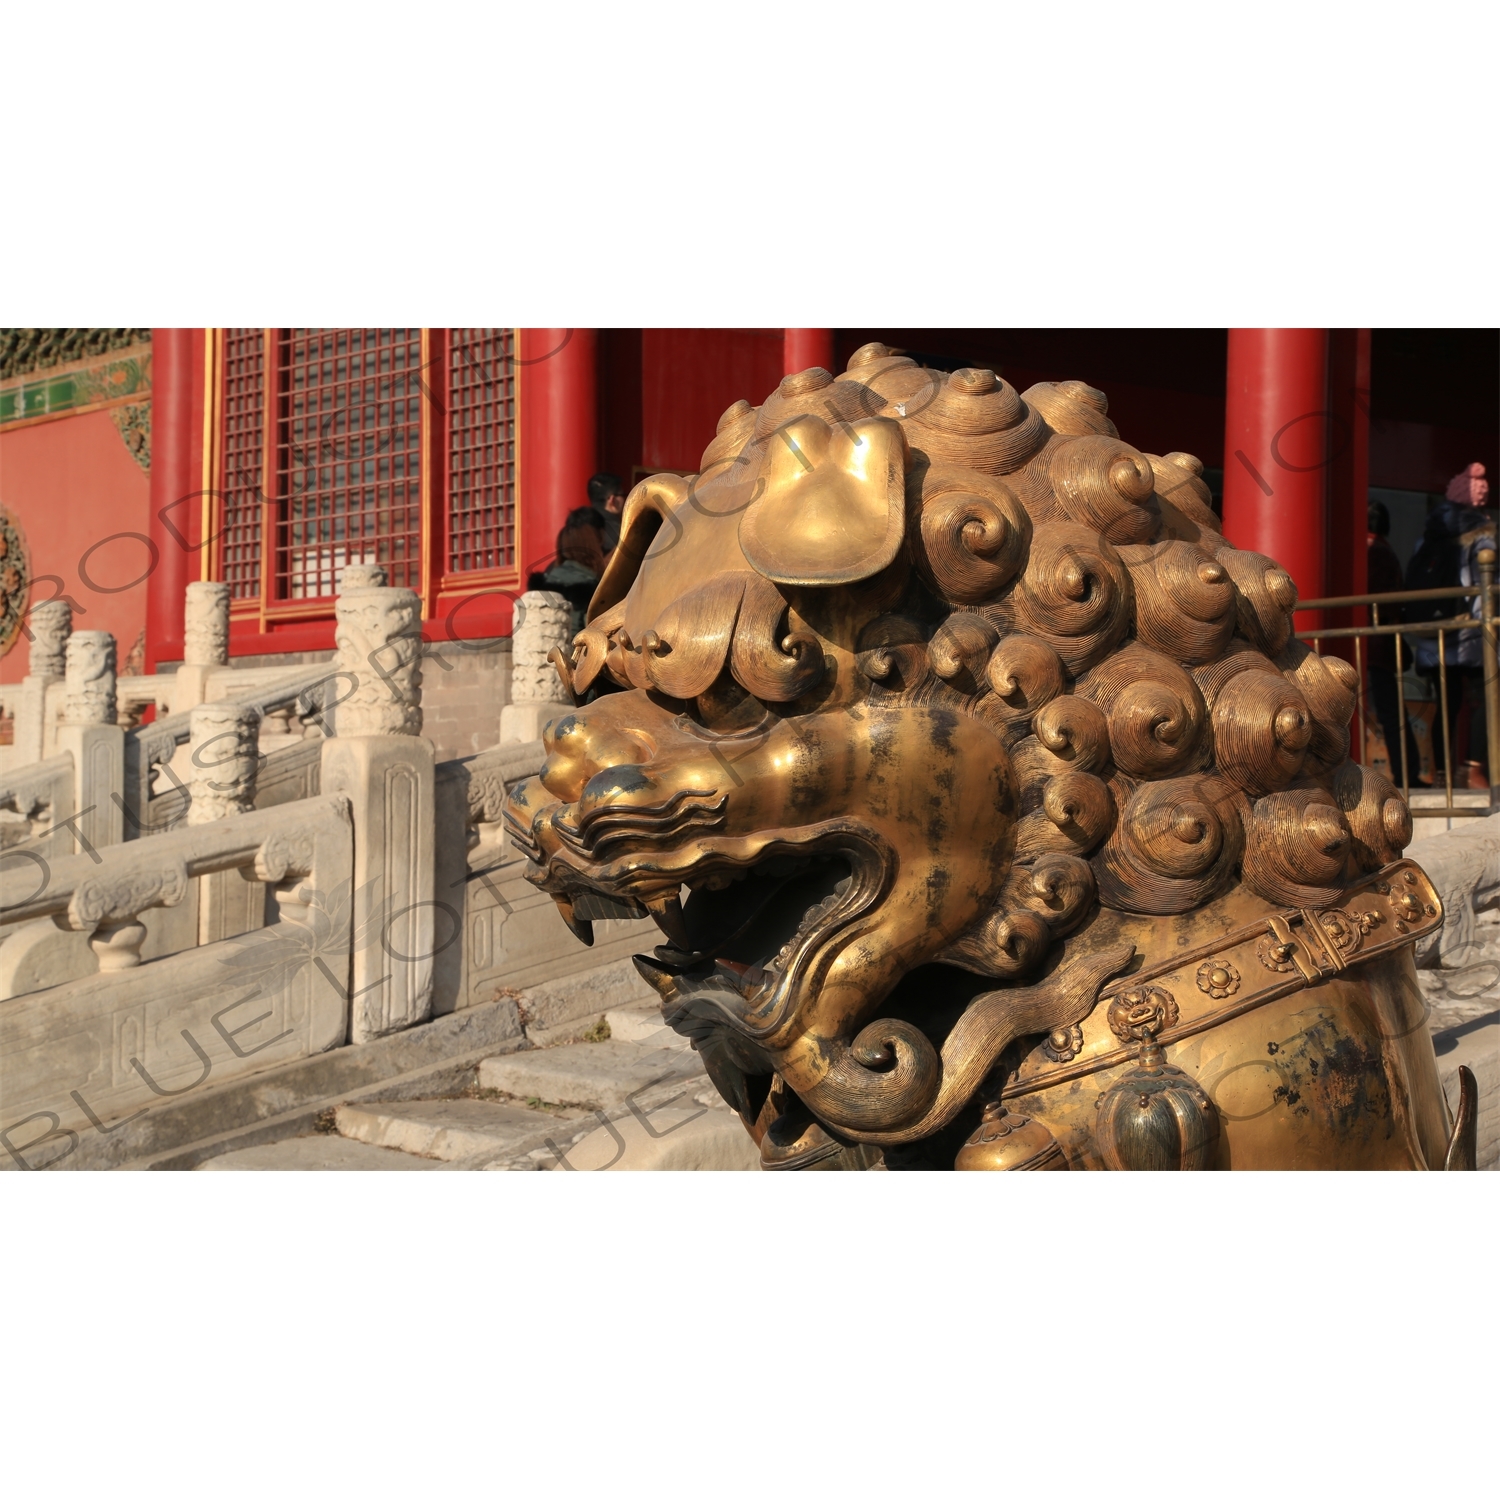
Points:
(481, 450)
(242, 417)
(348, 457)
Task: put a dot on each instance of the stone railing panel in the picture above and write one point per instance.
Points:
(100, 1049)
(128, 878)
(96, 1049)
(149, 750)
(37, 956)
(136, 694)
(510, 932)
(469, 797)
(290, 774)
(42, 793)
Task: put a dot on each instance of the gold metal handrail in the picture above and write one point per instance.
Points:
(1490, 655)
(1401, 596)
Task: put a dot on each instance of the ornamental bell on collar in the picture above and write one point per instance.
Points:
(1155, 1118)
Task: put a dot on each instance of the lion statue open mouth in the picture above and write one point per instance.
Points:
(996, 780)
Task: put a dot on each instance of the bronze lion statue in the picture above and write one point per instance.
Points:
(1018, 830)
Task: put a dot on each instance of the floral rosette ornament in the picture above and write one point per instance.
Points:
(15, 579)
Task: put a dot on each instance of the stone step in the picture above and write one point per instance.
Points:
(447, 1079)
(686, 1138)
(316, 1153)
(640, 1022)
(566, 1009)
(451, 1129)
(283, 1102)
(589, 1075)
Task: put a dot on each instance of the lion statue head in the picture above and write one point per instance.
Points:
(947, 706)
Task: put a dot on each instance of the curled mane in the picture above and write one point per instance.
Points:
(1168, 735)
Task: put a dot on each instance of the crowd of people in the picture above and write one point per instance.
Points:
(1445, 557)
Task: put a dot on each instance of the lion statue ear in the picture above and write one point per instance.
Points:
(833, 507)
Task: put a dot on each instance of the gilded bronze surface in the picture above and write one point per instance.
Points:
(1018, 831)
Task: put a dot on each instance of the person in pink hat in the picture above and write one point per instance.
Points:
(1469, 487)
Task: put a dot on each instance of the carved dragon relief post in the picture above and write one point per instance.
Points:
(378, 759)
(50, 625)
(543, 625)
(1018, 830)
(89, 733)
(205, 643)
(224, 758)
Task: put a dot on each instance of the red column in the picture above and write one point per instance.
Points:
(176, 485)
(1349, 494)
(1348, 460)
(805, 348)
(559, 423)
(1276, 450)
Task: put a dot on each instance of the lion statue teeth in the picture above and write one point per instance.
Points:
(955, 714)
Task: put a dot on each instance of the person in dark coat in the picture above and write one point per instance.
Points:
(1385, 578)
(1446, 556)
(607, 496)
(579, 565)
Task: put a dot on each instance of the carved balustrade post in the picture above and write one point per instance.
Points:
(362, 576)
(205, 643)
(89, 733)
(543, 622)
(224, 759)
(378, 759)
(50, 624)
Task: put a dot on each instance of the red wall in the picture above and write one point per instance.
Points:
(72, 484)
(689, 376)
(1165, 386)
(1416, 456)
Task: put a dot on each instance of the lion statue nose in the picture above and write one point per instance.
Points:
(580, 750)
(615, 786)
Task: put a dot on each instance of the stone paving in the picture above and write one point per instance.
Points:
(631, 1096)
